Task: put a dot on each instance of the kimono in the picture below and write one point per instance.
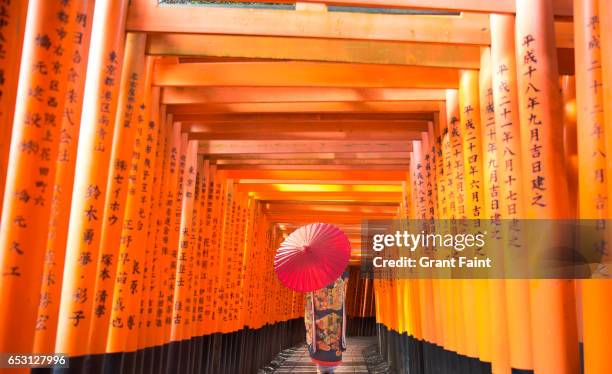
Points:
(325, 319)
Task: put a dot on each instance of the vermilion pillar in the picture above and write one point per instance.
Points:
(155, 333)
(457, 208)
(570, 143)
(132, 90)
(48, 307)
(212, 251)
(475, 292)
(148, 119)
(491, 196)
(433, 182)
(605, 16)
(456, 142)
(125, 312)
(184, 267)
(12, 26)
(553, 324)
(510, 176)
(592, 178)
(93, 156)
(31, 168)
(169, 238)
(155, 159)
(426, 286)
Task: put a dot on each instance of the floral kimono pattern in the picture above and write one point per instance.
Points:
(325, 321)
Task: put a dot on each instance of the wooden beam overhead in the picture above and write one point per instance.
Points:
(318, 216)
(255, 134)
(148, 16)
(360, 131)
(289, 146)
(391, 163)
(205, 95)
(315, 181)
(404, 167)
(202, 117)
(361, 175)
(560, 7)
(310, 156)
(468, 28)
(330, 187)
(288, 204)
(329, 196)
(335, 50)
(331, 219)
(337, 118)
(303, 74)
(191, 112)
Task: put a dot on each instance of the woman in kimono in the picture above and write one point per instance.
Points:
(325, 319)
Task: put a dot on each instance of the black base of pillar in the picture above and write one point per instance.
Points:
(240, 352)
(407, 355)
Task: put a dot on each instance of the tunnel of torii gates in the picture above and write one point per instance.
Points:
(155, 155)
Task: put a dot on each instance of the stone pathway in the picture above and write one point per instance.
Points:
(352, 359)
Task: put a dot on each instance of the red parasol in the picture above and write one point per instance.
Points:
(312, 257)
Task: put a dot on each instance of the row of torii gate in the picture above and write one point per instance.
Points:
(154, 155)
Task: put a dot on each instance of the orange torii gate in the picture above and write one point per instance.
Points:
(154, 156)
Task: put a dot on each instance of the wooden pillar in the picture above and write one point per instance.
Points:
(155, 155)
(421, 302)
(570, 143)
(144, 168)
(438, 286)
(203, 244)
(132, 89)
(496, 287)
(48, 307)
(605, 17)
(545, 186)
(12, 26)
(180, 314)
(157, 222)
(457, 208)
(508, 144)
(127, 290)
(209, 249)
(592, 178)
(168, 235)
(93, 156)
(32, 167)
(475, 292)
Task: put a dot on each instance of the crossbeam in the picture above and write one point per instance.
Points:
(147, 16)
(303, 74)
(207, 95)
(315, 181)
(311, 156)
(331, 187)
(370, 166)
(337, 118)
(361, 175)
(329, 196)
(337, 50)
(288, 146)
(469, 28)
(560, 7)
(191, 112)
(360, 131)
(391, 162)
